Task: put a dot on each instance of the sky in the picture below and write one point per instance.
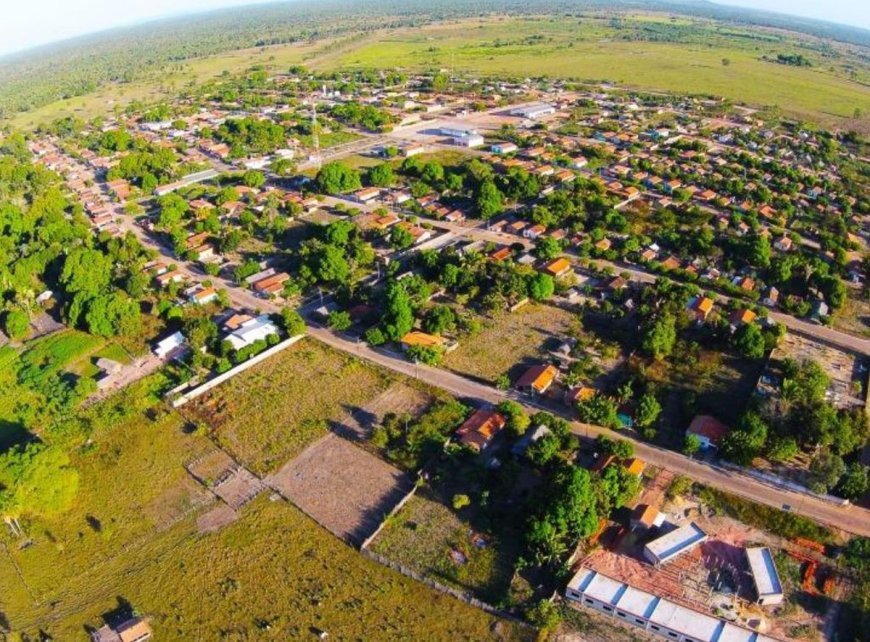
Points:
(26, 24)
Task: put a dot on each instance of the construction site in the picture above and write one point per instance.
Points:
(709, 564)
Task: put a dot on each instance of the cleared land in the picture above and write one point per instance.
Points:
(270, 413)
(344, 488)
(132, 536)
(511, 340)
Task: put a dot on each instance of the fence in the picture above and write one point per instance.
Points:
(229, 374)
(459, 595)
(399, 505)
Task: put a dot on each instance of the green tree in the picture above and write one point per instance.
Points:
(337, 178)
(113, 314)
(691, 445)
(254, 179)
(825, 471)
(855, 483)
(660, 336)
(547, 248)
(400, 237)
(749, 341)
(648, 410)
(292, 322)
(382, 175)
(439, 319)
(489, 201)
(541, 287)
(17, 324)
(36, 480)
(339, 320)
(398, 313)
(516, 419)
(746, 441)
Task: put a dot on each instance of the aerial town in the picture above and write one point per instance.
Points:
(578, 356)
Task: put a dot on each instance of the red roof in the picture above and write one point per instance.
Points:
(709, 427)
(479, 428)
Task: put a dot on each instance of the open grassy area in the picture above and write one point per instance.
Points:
(131, 537)
(588, 50)
(430, 537)
(270, 413)
(510, 340)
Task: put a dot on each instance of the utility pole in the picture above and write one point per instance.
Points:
(315, 134)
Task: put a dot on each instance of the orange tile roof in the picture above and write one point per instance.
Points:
(558, 266)
(479, 428)
(423, 339)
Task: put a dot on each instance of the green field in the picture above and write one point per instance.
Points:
(131, 536)
(585, 50)
(273, 411)
(589, 48)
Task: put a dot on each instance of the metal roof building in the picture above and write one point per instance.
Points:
(764, 575)
(667, 547)
(655, 614)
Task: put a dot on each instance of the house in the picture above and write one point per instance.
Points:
(477, 431)
(533, 111)
(367, 194)
(173, 276)
(709, 430)
(537, 379)
(534, 232)
(532, 435)
(133, 630)
(501, 254)
(170, 346)
(702, 306)
(635, 466)
(783, 244)
(503, 148)
(771, 297)
(416, 338)
(251, 331)
(644, 517)
(579, 394)
(652, 613)
(741, 317)
(558, 267)
(603, 245)
(203, 296)
(271, 284)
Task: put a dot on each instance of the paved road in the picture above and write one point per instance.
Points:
(852, 519)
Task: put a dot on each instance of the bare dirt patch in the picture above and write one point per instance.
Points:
(342, 487)
(397, 399)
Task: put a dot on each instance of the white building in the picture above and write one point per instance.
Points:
(768, 588)
(172, 343)
(251, 331)
(533, 111)
(667, 547)
(655, 614)
(468, 140)
(456, 130)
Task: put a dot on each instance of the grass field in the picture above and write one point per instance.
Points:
(131, 537)
(509, 340)
(273, 411)
(585, 49)
(428, 536)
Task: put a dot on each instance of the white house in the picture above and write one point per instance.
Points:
(251, 331)
(171, 344)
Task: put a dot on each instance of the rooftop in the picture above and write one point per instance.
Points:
(677, 541)
(763, 571)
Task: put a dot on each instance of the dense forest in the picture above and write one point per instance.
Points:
(77, 67)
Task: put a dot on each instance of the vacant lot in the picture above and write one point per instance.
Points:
(132, 536)
(430, 537)
(511, 339)
(344, 488)
(270, 413)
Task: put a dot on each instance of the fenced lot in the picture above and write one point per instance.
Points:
(429, 537)
(510, 339)
(399, 399)
(273, 411)
(344, 488)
